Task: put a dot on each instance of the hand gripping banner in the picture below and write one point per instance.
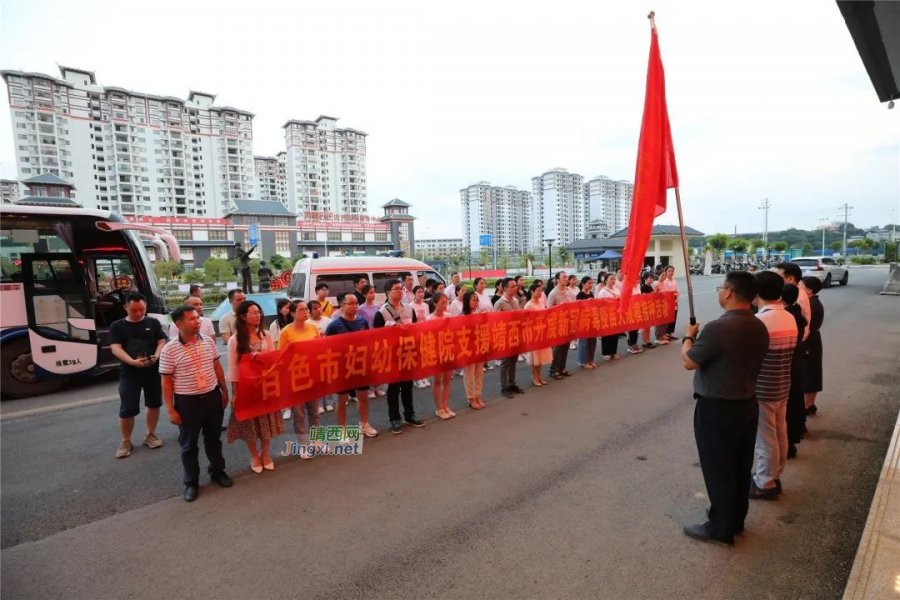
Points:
(308, 370)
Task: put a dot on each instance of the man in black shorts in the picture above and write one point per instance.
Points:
(137, 341)
(346, 320)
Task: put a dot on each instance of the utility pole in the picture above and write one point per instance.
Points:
(846, 208)
(823, 220)
(766, 205)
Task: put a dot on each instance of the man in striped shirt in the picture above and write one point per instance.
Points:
(772, 388)
(195, 394)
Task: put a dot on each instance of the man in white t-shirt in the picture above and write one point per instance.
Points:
(206, 326)
(226, 323)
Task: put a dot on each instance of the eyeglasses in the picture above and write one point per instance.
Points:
(397, 289)
(722, 287)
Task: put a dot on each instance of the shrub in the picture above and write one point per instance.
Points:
(863, 260)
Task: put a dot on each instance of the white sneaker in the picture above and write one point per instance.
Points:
(321, 410)
(380, 392)
(286, 413)
(418, 383)
(305, 454)
(368, 430)
(320, 447)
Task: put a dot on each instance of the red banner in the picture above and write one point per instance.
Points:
(309, 370)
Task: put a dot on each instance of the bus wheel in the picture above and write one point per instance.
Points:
(18, 378)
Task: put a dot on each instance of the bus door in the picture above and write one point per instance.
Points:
(61, 326)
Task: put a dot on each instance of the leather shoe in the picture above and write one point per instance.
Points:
(223, 479)
(700, 532)
(760, 494)
(190, 493)
(516, 389)
(507, 393)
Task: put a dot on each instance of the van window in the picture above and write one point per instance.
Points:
(297, 289)
(339, 283)
(383, 277)
(429, 275)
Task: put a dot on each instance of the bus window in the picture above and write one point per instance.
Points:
(113, 273)
(52, 311)
(19, 237)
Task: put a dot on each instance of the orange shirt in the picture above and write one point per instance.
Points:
(292, 334)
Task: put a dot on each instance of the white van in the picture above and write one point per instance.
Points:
(340, 273)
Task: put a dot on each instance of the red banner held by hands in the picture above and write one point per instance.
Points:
(308, 370)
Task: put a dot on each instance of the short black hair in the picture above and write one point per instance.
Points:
(430, 283)
(790, 269)
(366, 288)
(361, 278)
(344, 295)
(743, 284)
(790, 293)
(769, 285)
(319, 286)
(646, 275)
(390, 283)
(504, 283)
(194, 288)
(134, 297)
(234, 292)
(417, 288)
(813, 284)
(178, 313)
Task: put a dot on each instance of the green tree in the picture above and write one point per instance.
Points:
(218, 269)
(168, 269)
(484, 257)
(738, 245)
(779, 246)
(195, 276)
(807, 249)
(525, 258)
(717, 242)
(756, 243)
(890, 252)
(563, 255)
(279, 263)
(836, 246)
(865, 245)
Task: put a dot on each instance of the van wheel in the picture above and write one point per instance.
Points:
(827, 282)
(846, 278)
(17, 376)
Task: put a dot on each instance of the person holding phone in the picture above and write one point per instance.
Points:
(137, 341)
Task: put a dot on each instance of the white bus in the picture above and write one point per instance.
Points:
(65, 275)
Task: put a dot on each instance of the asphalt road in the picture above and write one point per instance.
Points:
(578, 489)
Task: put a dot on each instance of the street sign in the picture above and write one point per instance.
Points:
(253, 234)
(486, 240)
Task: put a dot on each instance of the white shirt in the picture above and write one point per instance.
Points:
(226, 324)
(321, 324)
(408, 296)
(456, 308)
(484, 302)
(450, 290)
(206, 328)
(609, 293)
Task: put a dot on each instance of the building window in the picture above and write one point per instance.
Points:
(381, 237)
(218, 234)
(218, 252)
(358, 236)
(182, 234)
(309, 236)
(282, 241)
(334, 236)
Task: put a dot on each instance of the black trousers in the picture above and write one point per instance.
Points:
(200, 413)
(560, 356)
(725, 431)
(395, 392)
(246, 281)
(671, 327)
(609, 345)
(632, 338)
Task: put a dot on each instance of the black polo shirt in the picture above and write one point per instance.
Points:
(730, 352)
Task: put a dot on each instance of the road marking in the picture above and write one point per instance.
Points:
(57, 407)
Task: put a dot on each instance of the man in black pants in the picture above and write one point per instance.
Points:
(726, 360)
(195, 395)
(394, 312)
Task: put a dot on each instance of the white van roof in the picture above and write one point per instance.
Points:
(349, 264)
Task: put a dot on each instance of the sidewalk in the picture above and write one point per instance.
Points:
(876, 570)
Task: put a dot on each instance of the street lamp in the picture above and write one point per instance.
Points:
(549, 243)
(823, 220)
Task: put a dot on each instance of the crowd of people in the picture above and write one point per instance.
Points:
(756, 380)
(183, 370)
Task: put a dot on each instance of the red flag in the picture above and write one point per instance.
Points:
(655, 172)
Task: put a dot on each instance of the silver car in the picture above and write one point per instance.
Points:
(824, 268)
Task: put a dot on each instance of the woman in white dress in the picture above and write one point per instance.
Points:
(609, 344)
(441, 381)
(544, 356)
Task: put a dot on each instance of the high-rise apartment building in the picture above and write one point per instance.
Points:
(325, 167)
(609, 201)
(559, 210)
(131, 152)
(9, 191)
(271, 177)
(502, 212)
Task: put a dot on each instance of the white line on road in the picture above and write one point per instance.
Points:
(46, 409)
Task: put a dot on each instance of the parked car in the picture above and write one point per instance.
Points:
(824, 268)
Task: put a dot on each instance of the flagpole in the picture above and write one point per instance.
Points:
(684, 251)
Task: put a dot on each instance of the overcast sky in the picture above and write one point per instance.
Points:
(766, 99)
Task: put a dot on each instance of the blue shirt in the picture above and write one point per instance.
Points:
(341, 325)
